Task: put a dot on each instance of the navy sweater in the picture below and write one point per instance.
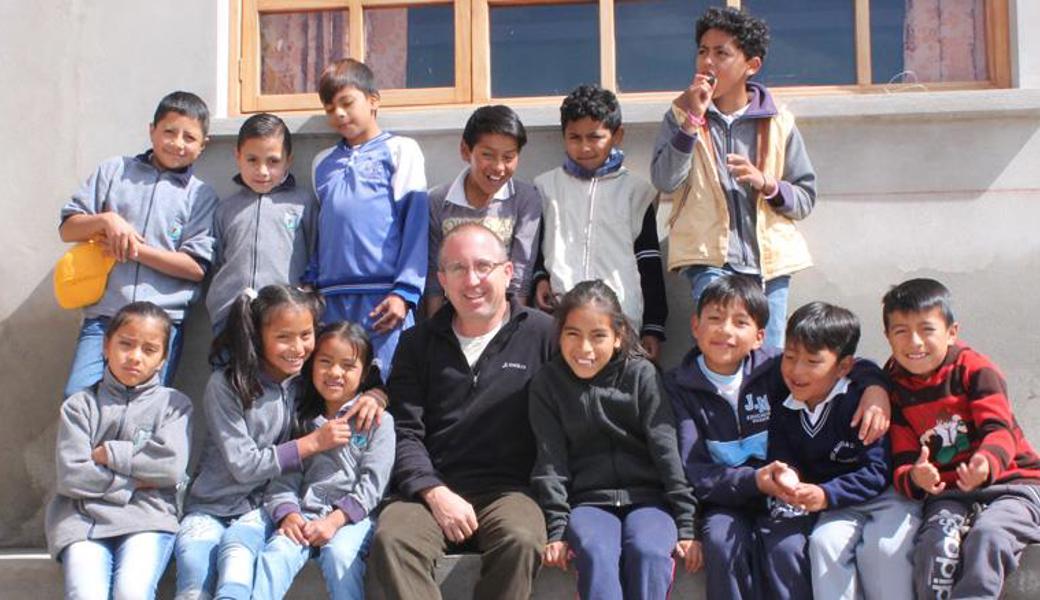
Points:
(829, 452)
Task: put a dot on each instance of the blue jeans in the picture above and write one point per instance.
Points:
(625, 553)
(88, 364)
(125, 566)
(216, 556)
(776, 291)
(342, 562)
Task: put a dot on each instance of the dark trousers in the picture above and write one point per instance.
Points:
(622, 553)
(510, 537)
(749, 555)
(970, 542)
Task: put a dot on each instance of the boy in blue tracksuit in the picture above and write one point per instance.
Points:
(373, 224)
(723, 394)
(830, 496)
(153, 215)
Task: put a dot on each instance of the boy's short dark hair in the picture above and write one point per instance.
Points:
(593, 102)
(734, 286)
(750, 33)
(498, 119)
(262, 126)
(821, 326)
(344, 73)
(183, 103)
(918, 295)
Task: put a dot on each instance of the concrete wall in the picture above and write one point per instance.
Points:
(942, 185)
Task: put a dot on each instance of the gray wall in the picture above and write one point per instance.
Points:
(943, 185)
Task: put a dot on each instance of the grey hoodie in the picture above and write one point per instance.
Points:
(261, 239)
(244, 449)
(173, 210)
(351, 478)
(670, 166)
(146, 432)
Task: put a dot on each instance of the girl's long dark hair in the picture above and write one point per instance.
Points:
(599, 294)
(239, 348)
(311, 404)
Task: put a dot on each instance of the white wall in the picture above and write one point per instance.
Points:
(936, 185)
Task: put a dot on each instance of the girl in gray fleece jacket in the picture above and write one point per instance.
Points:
(248, 407)
(608, 474)
(323, 512)
(122, 450)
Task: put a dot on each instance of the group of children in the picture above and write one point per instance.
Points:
(771, 468)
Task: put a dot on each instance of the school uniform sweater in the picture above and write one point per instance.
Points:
(828, 451)
(261, 239)
(603, 225)
(460, 426)
(959, 410)
(146, 432)
(172, 210)
(373, 225)
(351, 477)
(721, 450)
(243, 449)
(514, 214)
(606, 441)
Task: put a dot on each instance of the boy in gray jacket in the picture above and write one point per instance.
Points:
(121, 453)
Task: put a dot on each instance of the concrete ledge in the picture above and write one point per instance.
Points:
(31, 574)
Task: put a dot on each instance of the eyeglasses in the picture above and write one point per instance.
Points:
(481, 268)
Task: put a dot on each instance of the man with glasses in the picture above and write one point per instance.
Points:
(458, 394)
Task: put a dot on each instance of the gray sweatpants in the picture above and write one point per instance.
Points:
(969, 542)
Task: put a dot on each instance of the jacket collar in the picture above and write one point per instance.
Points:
(112, 386)
(343, 145)
(760, 103)
(612, 165)
(287, 184)
(689, 374)
(180, 176)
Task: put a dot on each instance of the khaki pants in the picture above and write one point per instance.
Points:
(510, 537)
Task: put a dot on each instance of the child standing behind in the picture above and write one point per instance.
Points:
(608, 474)
(736, 167)
(486, 191)
(957, 446)
(153, 215)
(122, 451)
(265, 232)
(599, 219)
(863, 535)
(324, 511)
(373, 226)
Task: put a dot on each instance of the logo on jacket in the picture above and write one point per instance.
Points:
(513, 365)
(174, 231)
(844, 452)
(291, 220)
(756, 408)
(141, 437)
(359, 439)
(947, 438)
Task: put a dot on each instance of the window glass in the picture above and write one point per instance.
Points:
(942, 41)
(812, 41)
(656, 49)
(543, 50)
(411, 47)
(295, 47)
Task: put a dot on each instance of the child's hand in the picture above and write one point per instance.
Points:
(744, 171)
(696, 98)
(652, 345)
(973, 474)
(333, 434)
(766, 478)
(368, 409)
(120, 237)
(99, 455)
(809, 497)
(873, 415)
(925, 475)
(292, 527)
(389, 313)
(556, 555)
(319, 531)
(543, 296)
(690, 552)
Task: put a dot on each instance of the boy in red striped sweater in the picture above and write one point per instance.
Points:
(957, 446)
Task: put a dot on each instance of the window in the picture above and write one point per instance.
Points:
(429, 52)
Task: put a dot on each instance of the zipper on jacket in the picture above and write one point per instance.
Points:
(736, 185)
(587, 251)
(256, 240)
(144, 230)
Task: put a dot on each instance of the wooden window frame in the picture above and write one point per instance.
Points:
(473, 55)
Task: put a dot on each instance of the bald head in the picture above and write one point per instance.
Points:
(481, 231)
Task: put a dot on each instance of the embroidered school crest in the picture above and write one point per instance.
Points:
(947, 438)
(359, 440)
(174, 231)
(291, 220)
(141, 437)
